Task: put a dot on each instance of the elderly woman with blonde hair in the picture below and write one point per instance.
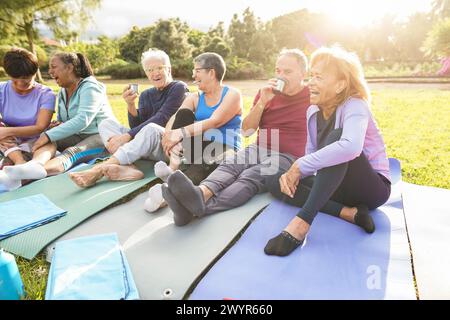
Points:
(345, 170)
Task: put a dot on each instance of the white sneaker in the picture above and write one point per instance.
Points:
(155, 199)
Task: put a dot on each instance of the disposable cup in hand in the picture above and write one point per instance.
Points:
(279, 86)
(135, 88)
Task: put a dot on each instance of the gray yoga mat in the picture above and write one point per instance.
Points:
(165, 260)
(427, 213)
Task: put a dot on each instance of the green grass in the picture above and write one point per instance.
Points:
(416, 128)
(415, 125)
(34, 276)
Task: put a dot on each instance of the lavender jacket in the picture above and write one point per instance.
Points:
(360, 133)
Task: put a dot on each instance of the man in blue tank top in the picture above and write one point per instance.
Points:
(205, 126)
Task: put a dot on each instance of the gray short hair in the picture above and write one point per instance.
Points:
(298, 55)
(212, 60)
(155, 54)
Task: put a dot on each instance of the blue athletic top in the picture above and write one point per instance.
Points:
(229, 133)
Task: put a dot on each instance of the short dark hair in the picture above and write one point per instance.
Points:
(19, 62)
(81, 66)
(212, 60)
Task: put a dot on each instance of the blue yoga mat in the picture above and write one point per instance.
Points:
(337, 261)
(90, 268)
(22, 214)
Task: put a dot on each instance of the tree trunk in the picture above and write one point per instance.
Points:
(29, 34)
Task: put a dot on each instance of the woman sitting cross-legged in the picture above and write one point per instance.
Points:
(344, 149)
(26, 109)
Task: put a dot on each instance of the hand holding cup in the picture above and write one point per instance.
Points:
(129, 94)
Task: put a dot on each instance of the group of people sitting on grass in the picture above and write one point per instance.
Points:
(318, 146)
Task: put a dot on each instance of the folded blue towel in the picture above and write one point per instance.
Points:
(90, 268)
(22, 214)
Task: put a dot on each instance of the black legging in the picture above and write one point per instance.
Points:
(194, 170)
(347, 184)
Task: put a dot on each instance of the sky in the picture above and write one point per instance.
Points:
(116, 17)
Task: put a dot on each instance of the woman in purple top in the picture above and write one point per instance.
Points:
(345, 151)
(26, 108)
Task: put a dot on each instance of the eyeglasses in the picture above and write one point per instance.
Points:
(159, 69)
(196, 70)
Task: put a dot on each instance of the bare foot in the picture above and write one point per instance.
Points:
(207, 193)
(86, 178)
(117, 172)
(298, 228)
(348, 214)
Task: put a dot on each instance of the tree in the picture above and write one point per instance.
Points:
(289, 30)
(217, 45)
(381, 39)
(217, 31)
(437, 43)
(135, 42)
(22, 17)
(440, 9)
(171, 37)
(197, 39)
(242, 32)
(409, 48)
(68, 37)
(251, 39)
(262, 49)
(100, 54)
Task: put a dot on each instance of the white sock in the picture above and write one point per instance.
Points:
(155, 199)
(8, 183)
(162, 170)
(31, 170)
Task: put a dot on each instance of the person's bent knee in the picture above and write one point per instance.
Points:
(272, 183)
(149, 130)
(183, 117)
(107, 124)
(184, 113)
(107, 129)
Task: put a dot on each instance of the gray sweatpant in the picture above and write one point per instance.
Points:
(242, 175)
(145, 145)
(109, 128)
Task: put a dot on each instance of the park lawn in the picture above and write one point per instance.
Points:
(415, 125)
(416, 129)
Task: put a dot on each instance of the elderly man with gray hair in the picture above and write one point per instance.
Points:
(156, 104)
